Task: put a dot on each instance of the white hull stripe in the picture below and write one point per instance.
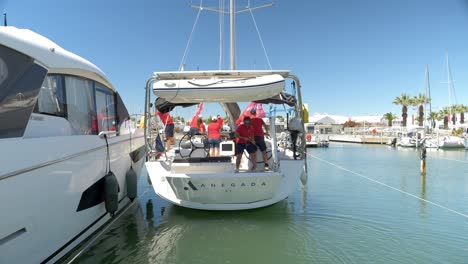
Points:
(45, 164)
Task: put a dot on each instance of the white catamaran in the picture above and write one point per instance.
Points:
(187, 176)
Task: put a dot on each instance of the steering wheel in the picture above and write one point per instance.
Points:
(188, 136)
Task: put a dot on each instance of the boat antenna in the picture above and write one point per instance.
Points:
(5, 19)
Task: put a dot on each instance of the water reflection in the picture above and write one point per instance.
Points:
(337, 217)
(194, 236)
(423, 204)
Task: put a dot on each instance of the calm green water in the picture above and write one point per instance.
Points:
(339, 217)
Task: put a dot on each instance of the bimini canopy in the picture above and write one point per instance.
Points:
(164, 106)
(218, 86)
(282, 98)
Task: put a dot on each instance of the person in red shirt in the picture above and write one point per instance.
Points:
(214, 135)
(259, 136)
(201, 126)
(245, 141)
(169, 128)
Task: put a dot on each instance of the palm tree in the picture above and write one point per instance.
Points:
(404, 100)
(420, 100)
(464, 108)
(445, 113)
(454, 114)
(459, 108)
(432, 117)
(390, 117)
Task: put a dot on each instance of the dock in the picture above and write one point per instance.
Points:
(362, 139)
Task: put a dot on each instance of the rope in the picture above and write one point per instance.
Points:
(108, 166)
(386, 185)
(259, 36)
(189, 42)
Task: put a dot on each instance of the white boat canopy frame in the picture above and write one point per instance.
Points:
(193, 75)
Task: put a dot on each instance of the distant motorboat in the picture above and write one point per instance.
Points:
(316, 141)
(407, 142)
(446, 142)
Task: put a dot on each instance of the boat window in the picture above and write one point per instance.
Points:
(122, 113)
(20, 81)
(81, 110)
(51, 100)
(105, 105)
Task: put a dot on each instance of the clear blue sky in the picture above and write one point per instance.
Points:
(353, 57)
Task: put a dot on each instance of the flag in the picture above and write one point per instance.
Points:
(259, 109)
(193, 123)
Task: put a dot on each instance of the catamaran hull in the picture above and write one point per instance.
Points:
(43, 182)
(225, 191)
(219, 90)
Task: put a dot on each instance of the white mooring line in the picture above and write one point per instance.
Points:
(386, 185)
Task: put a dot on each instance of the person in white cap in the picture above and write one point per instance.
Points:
(214, 135)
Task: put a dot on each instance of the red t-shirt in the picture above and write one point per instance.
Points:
(201, 128)
(165, 118)
(214, 130)
(257, 124)
(244, 132)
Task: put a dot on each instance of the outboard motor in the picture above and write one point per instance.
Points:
(394, 141)
(295, 127)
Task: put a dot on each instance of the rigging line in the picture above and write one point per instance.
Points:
(260, 37)
(388, 186)
(190, 37)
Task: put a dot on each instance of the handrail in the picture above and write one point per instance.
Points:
(147, 108)
(300, 113)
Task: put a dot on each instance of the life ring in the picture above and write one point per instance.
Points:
(308, 137)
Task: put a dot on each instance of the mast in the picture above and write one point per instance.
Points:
(232, 18)
(428, 95)
(449, 81)
(232, 25)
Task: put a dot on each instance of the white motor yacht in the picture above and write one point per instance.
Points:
(64, 129)
(444, 142)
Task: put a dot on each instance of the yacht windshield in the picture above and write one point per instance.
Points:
(20, 81)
